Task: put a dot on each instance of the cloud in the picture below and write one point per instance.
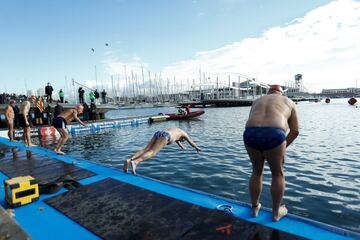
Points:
(324, 46)
(115, 66)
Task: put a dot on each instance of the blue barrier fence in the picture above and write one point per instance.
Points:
(94, 127)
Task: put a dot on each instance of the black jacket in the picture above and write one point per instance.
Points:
(49, 90)
(58, 109)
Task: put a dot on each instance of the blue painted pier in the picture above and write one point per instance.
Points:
(111, 204)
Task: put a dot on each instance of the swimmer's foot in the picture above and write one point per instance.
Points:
(133, 166)
(282, 212)
(126, 165)
(59, 152)
(255, 210)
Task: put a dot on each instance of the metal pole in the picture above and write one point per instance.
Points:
(73, 83)
(132, 82)
(95, 77)
(126, 82)
(229, 87)
(150, 84)
(142, 75)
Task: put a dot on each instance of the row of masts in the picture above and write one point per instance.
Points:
(144, 86)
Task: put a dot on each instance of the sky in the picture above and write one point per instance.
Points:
(50, 41)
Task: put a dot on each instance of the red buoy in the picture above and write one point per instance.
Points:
(352, 101)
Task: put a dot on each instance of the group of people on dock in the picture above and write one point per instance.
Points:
(94, 96)
(61, 119)
(34, 111)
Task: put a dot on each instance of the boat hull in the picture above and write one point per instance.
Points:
(185, 117)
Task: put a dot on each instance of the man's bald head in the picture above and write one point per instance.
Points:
(79, 108)
(275, 89)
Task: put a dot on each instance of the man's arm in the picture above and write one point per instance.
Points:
(7, 113)
(180, 145)
(25, 112)
(294, 127)
(78, 119)
(192, 143)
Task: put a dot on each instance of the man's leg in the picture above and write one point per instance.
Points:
(25, 136)
(63, 139)
(137, 154)
(255, 183)
(152, 151)
(28, 136)
(11, 130)
(275, 158)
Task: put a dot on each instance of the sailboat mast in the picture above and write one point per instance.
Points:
(143, 79)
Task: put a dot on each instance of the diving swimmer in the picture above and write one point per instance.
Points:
(159, 141)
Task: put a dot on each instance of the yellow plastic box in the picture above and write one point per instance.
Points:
(21, 190)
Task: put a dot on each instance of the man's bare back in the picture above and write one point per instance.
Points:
(272, 110)
(69, 115)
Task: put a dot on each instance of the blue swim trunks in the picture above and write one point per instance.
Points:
(264, 138)
(160, 134)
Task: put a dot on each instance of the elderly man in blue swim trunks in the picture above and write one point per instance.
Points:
(266, 137)
(158, 141)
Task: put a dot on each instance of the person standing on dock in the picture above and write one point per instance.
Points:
(103, 96)
(97, 96)
(271, 116)
(48, 92)
(10, 117)
(62, 120)
(92, 96)
(61, 95)
(81, 92)
(49, 114)
(85, 112)
(158, 142)
(39, 111)
(25, 120)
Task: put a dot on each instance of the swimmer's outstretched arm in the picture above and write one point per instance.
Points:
(180, 145)
(192, 143)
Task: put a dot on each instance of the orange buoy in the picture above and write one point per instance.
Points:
(352, 101)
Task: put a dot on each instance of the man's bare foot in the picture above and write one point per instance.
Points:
(133, 166)
(282, 212)
(32, 145)
(126, 165)
(59, 152)
(255, 210)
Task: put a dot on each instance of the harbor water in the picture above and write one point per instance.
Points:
(322, 165)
